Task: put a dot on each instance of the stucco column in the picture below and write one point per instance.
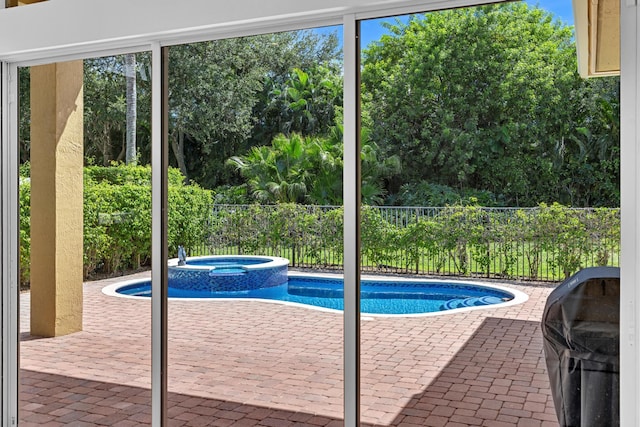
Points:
(56, 198)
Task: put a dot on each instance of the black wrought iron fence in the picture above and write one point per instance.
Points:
(544, 243)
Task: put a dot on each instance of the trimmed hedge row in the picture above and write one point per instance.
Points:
(117, 218)
(549, 242)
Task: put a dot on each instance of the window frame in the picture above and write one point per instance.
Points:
(35, 49)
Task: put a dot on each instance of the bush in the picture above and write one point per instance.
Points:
(117, 218)
(25, 229)
(427, 194)
(547, 242)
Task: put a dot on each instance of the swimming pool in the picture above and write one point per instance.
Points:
(380, 297)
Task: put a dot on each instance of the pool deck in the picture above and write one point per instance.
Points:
(247, 363)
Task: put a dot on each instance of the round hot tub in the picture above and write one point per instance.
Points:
(228, 273)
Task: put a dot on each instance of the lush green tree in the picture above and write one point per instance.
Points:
(309, 169)
(477, 98)
(131, 151)
(588, 159)
(24, 111)
(304, 103)
(279, 173)
(106, 108)
(215, 88)
(217, 93)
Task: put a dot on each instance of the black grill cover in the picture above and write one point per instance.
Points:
(581, 341)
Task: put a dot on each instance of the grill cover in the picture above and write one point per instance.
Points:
(581, 341)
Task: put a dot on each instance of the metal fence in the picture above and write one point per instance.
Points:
(545, 243)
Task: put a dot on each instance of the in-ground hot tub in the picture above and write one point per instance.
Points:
(228, 273)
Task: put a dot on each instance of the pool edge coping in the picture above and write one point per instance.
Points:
(519, 297)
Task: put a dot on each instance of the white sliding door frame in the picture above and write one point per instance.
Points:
(29, 52)
(630, 213)
(9, 231)
(351, 191)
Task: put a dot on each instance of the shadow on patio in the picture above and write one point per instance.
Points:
(497, 378)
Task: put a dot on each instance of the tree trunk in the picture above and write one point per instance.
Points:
(132, 101)
(177, 145)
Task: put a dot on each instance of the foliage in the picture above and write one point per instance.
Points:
(489, 98)
(24, 112)
(419, 239)
(427, 194)
(118, 223)
(217, 90)
(305, 234)
(305, 103)
(478, 102)
(588, 160)
(546, 242)
(279, 173)
(105, 108)
(231, 195)
(562, 232)
(377, 236)
(222, 99)
(299, 169)
(25, 225)
(117, 218)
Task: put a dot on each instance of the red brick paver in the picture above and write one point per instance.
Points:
(247, 363)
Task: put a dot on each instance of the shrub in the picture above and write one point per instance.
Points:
(25, 229)
(117, 218)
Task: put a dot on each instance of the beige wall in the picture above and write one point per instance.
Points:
(56, 198)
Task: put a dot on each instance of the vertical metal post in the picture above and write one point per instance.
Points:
(4, 138)
(351, 221)
(9, 234)
(629, 213)
(159, 251)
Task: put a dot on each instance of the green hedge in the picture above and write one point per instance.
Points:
(117, 218)
(549, 242)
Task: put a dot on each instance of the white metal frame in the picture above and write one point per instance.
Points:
(9, 230)
(351, 192)
(81, 27)
(62, 43)
(630, 214)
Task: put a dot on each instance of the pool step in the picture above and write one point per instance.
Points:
(470, 302)
(227, 270)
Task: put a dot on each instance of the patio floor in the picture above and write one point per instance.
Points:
(263, 364)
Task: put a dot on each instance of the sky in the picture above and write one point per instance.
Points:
(372, 30)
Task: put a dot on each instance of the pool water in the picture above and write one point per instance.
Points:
(377, 297)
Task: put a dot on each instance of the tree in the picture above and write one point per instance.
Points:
(105, 109)
(476, 98)
(309, 169)
(132, 106)
(215, 88)
(588, 160)
(305, 103)
(279, 173)
(24, 106)
(216, 96)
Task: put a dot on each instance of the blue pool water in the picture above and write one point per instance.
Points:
(377, 297)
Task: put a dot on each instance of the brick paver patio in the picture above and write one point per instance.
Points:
(246, 363)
